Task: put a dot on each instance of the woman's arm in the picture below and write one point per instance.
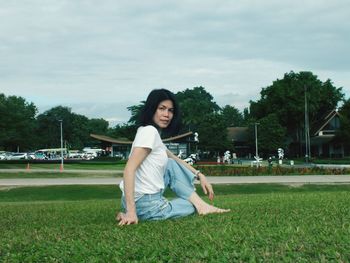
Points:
(137, 156)
(206, 186)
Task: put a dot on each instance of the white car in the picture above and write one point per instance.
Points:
(76, 155)
(31, 156)
(18, 156)
(89, 156)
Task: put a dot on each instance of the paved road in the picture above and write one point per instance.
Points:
(306, 179)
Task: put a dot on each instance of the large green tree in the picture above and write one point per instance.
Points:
(48, 127)
(127, 131)
(96, 126)
(286, 98)
(75, 128)
(196, 104)
(17, 123)
(135, 112)
(213, 134)
(79, 135)
(270, 135)
(232, 116)
(124, 131)
(200, 113)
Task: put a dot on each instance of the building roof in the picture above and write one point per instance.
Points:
(237, 134)
(109, 139)
(324, 121)
(178, 137)
(126, 142)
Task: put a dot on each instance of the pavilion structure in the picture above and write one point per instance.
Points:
(121, 147)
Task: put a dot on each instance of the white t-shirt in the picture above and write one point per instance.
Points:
(149, 177)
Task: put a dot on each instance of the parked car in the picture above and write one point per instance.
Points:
(40, 156)
(4, 155)
(93, 151)
(18, 156)
(75, 154)
(89, 156)
(31, 156)
(37, 156)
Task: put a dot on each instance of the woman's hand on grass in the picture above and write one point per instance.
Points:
(206, 186)
(127, 218)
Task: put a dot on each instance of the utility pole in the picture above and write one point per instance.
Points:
(307, 130)
(258, 160)
(256, 140)
(61, 167)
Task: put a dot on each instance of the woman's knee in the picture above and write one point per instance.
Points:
(171, 164)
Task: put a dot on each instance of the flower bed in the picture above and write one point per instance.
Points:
(225, 170)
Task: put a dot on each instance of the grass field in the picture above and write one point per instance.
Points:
(33, 174)
(270, 223)
(52, 170)
(69, 166)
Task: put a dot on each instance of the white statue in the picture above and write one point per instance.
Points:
(280, 152)
(180, 154)
(227, 157)
(192, 159)
(196, 137)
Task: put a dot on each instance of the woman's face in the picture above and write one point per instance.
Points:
(164, 114)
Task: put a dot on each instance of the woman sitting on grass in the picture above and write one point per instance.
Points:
(152, 167)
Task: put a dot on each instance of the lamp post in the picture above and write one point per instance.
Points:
(61, 167)
(256, 140)
(307, 130)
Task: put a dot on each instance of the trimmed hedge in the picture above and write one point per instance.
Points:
(222, 170)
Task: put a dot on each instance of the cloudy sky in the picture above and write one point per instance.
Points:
(100, 56)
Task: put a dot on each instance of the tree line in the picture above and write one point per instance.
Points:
(21, 129)
(279, 112)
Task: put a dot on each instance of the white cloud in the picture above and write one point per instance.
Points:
(108, 53)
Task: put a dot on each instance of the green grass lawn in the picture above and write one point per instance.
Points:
(20, 175)
(56, 166)
(87, 169)
(270, 223)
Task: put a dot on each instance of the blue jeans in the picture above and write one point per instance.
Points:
(157, 207)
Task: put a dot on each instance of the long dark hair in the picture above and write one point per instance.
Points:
(154, 98)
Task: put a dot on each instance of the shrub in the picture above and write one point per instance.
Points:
(225, 170)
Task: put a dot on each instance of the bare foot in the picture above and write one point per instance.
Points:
(204, 208)
(118, 216)
(209, 209)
